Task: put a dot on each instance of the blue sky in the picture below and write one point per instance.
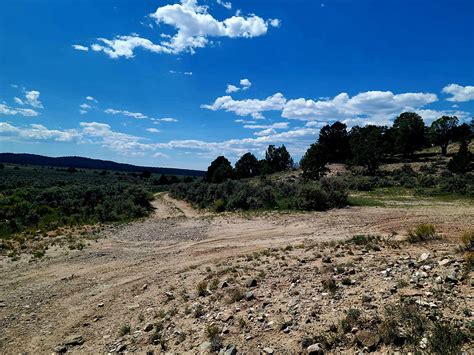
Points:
(176, 83)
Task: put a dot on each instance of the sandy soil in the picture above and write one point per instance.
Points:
(93, 291)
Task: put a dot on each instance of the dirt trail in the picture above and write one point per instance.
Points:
(92, 292)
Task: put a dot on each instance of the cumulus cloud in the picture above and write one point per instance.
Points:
(277, 125)
(27, 112)
(370, 104)
(80, 48)
(85, 106)
(90, 98)
(193, 24)
(245, 83)
(136, 115)
(249, 107)
(231, 88)
(31, 99)
(459, 93)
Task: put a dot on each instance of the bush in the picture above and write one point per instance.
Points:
(421, 233)
(446, 339)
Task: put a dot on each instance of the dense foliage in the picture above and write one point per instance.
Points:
(371, 145)
(46, 198)
(263, 193)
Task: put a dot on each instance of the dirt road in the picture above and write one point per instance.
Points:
(124, 275)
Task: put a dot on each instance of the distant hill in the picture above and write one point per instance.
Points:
(87, 163)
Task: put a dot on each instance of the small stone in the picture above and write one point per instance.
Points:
(231, 350)
(249, 296)
(424, 257)
(226, 316)
(367, 339)
(224, 284)
(206, 346)
(423, 343)
(315, 349)
(75, 339)
(268, 350)
(251, 283)
(144, 287)
(60, 349)
(100, 305)
(148, 327)
(326, 259)
(444, 262)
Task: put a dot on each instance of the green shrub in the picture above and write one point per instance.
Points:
(446, 339)
(421, 233)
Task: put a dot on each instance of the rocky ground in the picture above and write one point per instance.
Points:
(183, 281)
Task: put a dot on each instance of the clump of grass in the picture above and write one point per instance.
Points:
(467, 246)
(404, 324)
(212, 333)
(422, 233)
(446, 339)
(214, 284)
(199, 311)
(329, 285)
(201, 289)
(351, 320)
(124, 329)
(234, 295)
(38, 253)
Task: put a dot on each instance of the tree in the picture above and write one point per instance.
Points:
(367, 146)
(335, 141)
(442, 132)
(278, 159)
(219, 170)
(409, 133)
(463, 132)
(461, 162)
(314, 162)
(247, 166)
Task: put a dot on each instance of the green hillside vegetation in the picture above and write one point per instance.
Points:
(34, 198)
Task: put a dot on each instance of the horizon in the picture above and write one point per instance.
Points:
(177, 83)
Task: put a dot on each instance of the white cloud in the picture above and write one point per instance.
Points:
(83, 112)
(80, 48)
(459, 93)
(249, 107)
(123, 46)
(85, 106)
(37, 132)
(265, 132)
(27, 112)
(161, 155)
(31, 99)
(18, 101)
(189, 73)
(153, 130)
(231, 88)
(194, 26)
(165, 119)
(278, 125)
(226, 4)
(275, 22)
(136, 115)
(370, 104)
(245, 83)
(90, 98)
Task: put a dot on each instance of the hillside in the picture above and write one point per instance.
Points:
(87, 163)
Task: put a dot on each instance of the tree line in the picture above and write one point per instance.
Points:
(366, 146)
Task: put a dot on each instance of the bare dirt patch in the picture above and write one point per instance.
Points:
(104, 297)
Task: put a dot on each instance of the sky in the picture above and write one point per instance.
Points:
(177, 83)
